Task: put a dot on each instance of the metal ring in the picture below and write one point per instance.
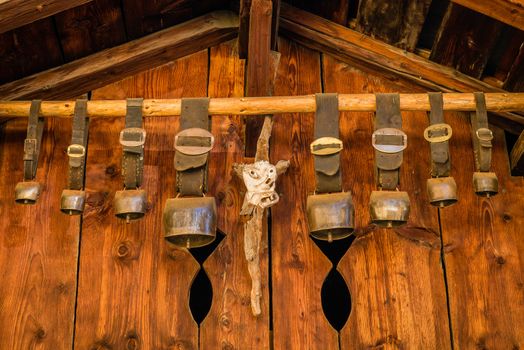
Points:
(389, 148)
(197, 133)
(324, 146)
(438, 127)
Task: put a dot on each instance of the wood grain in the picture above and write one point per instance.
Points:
(38, 246)
(335, 10)
(515, 78)
(299, 267)
(230, 323)
(133, 286)
(507, 11)
(395, 278)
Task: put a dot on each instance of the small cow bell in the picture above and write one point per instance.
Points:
(190, 222)
(130, 204)
(389, 208)
(442, 191)
(330, 216)
(485, 184)
(72, 202)
(27, 192)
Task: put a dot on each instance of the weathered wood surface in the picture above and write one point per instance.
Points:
(243, 28)
(514, 80)
(483, 249)
(398, 23)
(298, 266)
(230, 323)
(395, 276)
(517, 154)
(134, 287)
(16, 13)
(110, 65)
(38, 246)
(336, 10)
(507, 11)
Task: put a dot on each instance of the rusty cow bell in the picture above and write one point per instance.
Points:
(485, 184)
(72, 202)
(130, 204)
(442, 191)
(330, 216)
(27, 192)
(389, 208)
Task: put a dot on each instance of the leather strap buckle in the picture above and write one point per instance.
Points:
(30, 146)
(389, 140)
(76, 151)
(132, 137)
(194, 141)
(325, 146)
(430, 130)
(484, 135)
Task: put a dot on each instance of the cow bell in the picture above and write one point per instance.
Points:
(27, 192)
(190, 222)
(485, 184)
(442, 191)
(330, 216)
(389, 208)
(72, 202)
(130, 204)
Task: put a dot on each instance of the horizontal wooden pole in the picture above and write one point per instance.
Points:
(266, 105)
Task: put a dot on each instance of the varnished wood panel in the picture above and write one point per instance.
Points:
(299, 267)
(394, 276)
(133, 286)
(38, 246)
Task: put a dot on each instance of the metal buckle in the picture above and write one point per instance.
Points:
(325, 146)
(438, 127)
(194, 133)
(76, 151)
(484, 134)
(132, 137)
(389, 147)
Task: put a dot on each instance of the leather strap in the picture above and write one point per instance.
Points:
(77, 150)
(35, 128)
(388, 164)
(327, 167)
(132, 139)
(192, 168)
(440, 159)
(481, 134)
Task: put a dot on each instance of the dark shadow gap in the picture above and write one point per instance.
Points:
(336, 299)
(335, 250)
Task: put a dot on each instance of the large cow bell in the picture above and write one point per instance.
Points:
(130, 204)
(389, 208)
(442, 191)
(330, 216)
(486, 184)
(72, 202)
(190, 222)
(27, 192)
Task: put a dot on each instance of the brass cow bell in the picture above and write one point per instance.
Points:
(442, 191)
(190, 222)
(330, 216)
(130, 204)
(27, 192)
(389, 208)
(72, 202)
(486, 184)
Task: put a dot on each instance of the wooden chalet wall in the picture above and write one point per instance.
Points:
(450, 279)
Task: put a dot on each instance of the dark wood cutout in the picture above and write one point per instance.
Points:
(133, 286)
(299, 267)
(230, 323)
(394, 276)
(38, 245)
(483, 248)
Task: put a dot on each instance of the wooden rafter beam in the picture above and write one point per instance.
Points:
(102, 68)
(510, 12)
(361, 50)
(517, 155)
(16, 13)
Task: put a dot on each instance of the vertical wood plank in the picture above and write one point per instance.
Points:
(38, 245)
(230, 323)
(299, 267)
(394, 276)
(133, 286)
(484, 249)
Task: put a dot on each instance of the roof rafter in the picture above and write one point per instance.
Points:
(507, 11)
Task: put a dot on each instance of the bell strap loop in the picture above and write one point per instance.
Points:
(192, 146)
(438, 134)
(132, 139)
(327, 145)
(388, 140)
(77, 149)
(35, 128)
(481, 134)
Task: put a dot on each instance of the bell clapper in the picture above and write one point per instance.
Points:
(128, 219)
(70, 212)
(441, 204)
(330, 237)
(390, 224)
(487, 195)
(188, 244)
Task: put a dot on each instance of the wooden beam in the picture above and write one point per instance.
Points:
(510, 12)
(243, 28)
(16, 13)
(113, 64)
(515, 78)
(517, 155)
(363, 51)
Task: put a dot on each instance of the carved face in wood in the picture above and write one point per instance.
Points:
(260, 178)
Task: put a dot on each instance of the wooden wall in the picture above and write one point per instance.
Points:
(449, 279)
